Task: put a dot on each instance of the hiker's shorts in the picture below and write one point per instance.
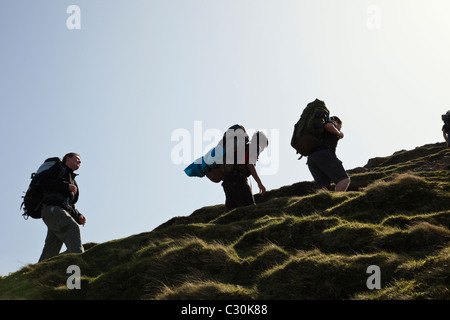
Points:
(237, 192)
(325, 168)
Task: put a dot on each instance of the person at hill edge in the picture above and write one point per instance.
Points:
(323, 163)
(237, 170)
(58, 209)
(446, 128)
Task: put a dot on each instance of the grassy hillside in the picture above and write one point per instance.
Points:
(294, 244)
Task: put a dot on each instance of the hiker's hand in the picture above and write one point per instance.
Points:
(73, 188)
(82, 219)
(341, 135)
(262, 189)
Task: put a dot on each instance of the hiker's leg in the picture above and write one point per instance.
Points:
(244, 196)
(229, 195)
(64, 227)
(52, 246)
(317, 161)
(335, 171)
(237, 192)
(72, 238)
(70, 233)
(343, 184)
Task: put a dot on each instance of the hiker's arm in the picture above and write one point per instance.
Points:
(77, 216)
(446, 137)
(252, 170)
(73, 188)
(52, 182)
(331, 128)
(81, 219)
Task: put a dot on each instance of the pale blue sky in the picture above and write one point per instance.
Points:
(117, 89)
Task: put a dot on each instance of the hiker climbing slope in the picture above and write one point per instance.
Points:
(324, 165)
(58, 209)
(241, 157)
(316, 136)
(446, 128)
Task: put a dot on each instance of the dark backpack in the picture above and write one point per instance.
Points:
(309, 129)
(235, 143)
(33, 198)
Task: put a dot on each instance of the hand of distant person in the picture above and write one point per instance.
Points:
(82, 219)
(73, 188)
(262, 189)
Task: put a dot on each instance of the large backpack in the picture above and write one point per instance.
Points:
(235, 143)
(33, 198)
(309, 129)
(206, 163)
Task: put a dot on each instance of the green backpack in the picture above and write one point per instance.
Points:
(309, 128)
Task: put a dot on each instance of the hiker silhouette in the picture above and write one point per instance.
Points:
(240, 163)
(446, 128)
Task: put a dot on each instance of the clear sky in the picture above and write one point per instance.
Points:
(143, 87)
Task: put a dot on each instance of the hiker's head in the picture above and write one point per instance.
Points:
(260, 140)
(72, 160)
(258, 143)
(337, 121)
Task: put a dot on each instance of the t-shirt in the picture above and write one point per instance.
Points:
(330, 140)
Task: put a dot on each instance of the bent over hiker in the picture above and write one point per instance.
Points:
(241, 165)
(58, 208)
(323, 163)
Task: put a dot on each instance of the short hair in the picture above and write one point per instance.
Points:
(69, 155)
(258, 143)
(260, 139)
